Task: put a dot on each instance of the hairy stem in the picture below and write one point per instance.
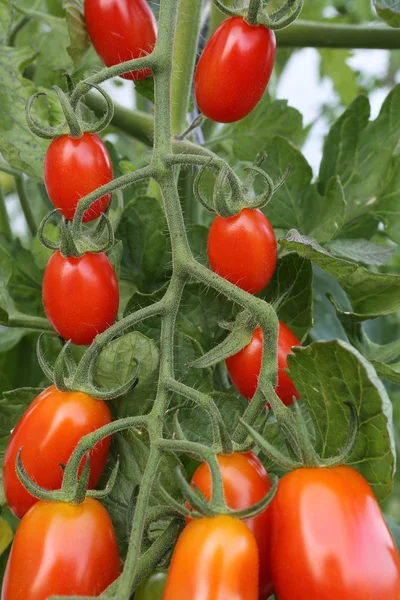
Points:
(25, 205)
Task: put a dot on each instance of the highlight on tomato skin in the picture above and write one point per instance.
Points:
(245, 366)
(245, 483)
(234, 70)
(214, 557)
(73, 168)
(243, 249)
(121, 30)
(62, 549)
(49, 431)
(329, 538)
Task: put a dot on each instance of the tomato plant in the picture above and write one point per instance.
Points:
(234, 70)
(245, 482)
(328, 532)
(121, 30)
(72, 169)
(66, 549)
(48, 432)
(242, 249)
(223, 558)
(244, 367)
(80, 296)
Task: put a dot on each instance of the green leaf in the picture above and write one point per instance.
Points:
(361, 251)
(333, 65)
(145, 87)
(291, 288)
(388, 11)
(371, 294)
(6, 535)
(187, 349)
(12, 406)
(389, 372)
(329, 373)
(5, 21)
(78, 34)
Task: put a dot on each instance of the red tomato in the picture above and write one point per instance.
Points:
(246, 482)
(245, 366)
(62, 549)
(242, 249)
(72, 169)
(214, 559)
(80, 296)
(234, 70)
(121, 30)
(49, 431)
(329, 539)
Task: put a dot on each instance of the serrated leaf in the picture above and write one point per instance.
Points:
(12, 406)
(361, 251)
(291, 286)
(329, 373)
(388, 11)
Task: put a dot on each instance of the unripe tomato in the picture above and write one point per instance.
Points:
(234, 70)
(72, 169)
(245, 482)
(121, 30)
(80, 296)
(214, 558)
(245, 366)
(152, 588)
(329, 539)
(62, 549)
(242, 249)
(49, 431)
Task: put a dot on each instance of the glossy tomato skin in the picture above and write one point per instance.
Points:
(214, 559)
(62, 549)
(244, 367)
(234, 70)
(121, 30)
(80, 296)
(49, 431)
(245, 482)
(329, 539)
(152, 588)
(72, 169)
(242, 249)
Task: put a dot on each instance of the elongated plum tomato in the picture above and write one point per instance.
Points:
(62, 549)
(242, 249)
(80, 296)
(214, 558)
(245, 366)
(121, 30)
(49, 431)
(245, 482)
(329, 539)
(234, 70)
(72, 169)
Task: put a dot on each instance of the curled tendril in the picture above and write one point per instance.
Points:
(282, 17)
(231, 12)
(106, 119)
(227, 195)
(47, 133)
(196, 187)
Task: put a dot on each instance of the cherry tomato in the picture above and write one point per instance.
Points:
(152, 588)
(80, 296)
(49, 431)
(246, 482)
(245, 366)
(62, 549)
(72, 169)
(329, 539)
(214, 559)
(242, 249)
(121, 30)
(234, 70)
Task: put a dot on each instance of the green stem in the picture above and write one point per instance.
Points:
(25, 205)
(185, 49)
(331, 35)
(5, 227)
(30, 322)
(254, 9)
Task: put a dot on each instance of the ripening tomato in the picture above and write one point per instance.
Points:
(242, 249)
(245, 366)
(72, 169)
(214, 559)
(80, 296)
(234, 70)
(152, 588)
(121, 30)
(329, 539)
(62, 549)
(245, 482)
(49, 431)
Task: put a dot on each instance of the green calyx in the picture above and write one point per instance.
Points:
(255, 14)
